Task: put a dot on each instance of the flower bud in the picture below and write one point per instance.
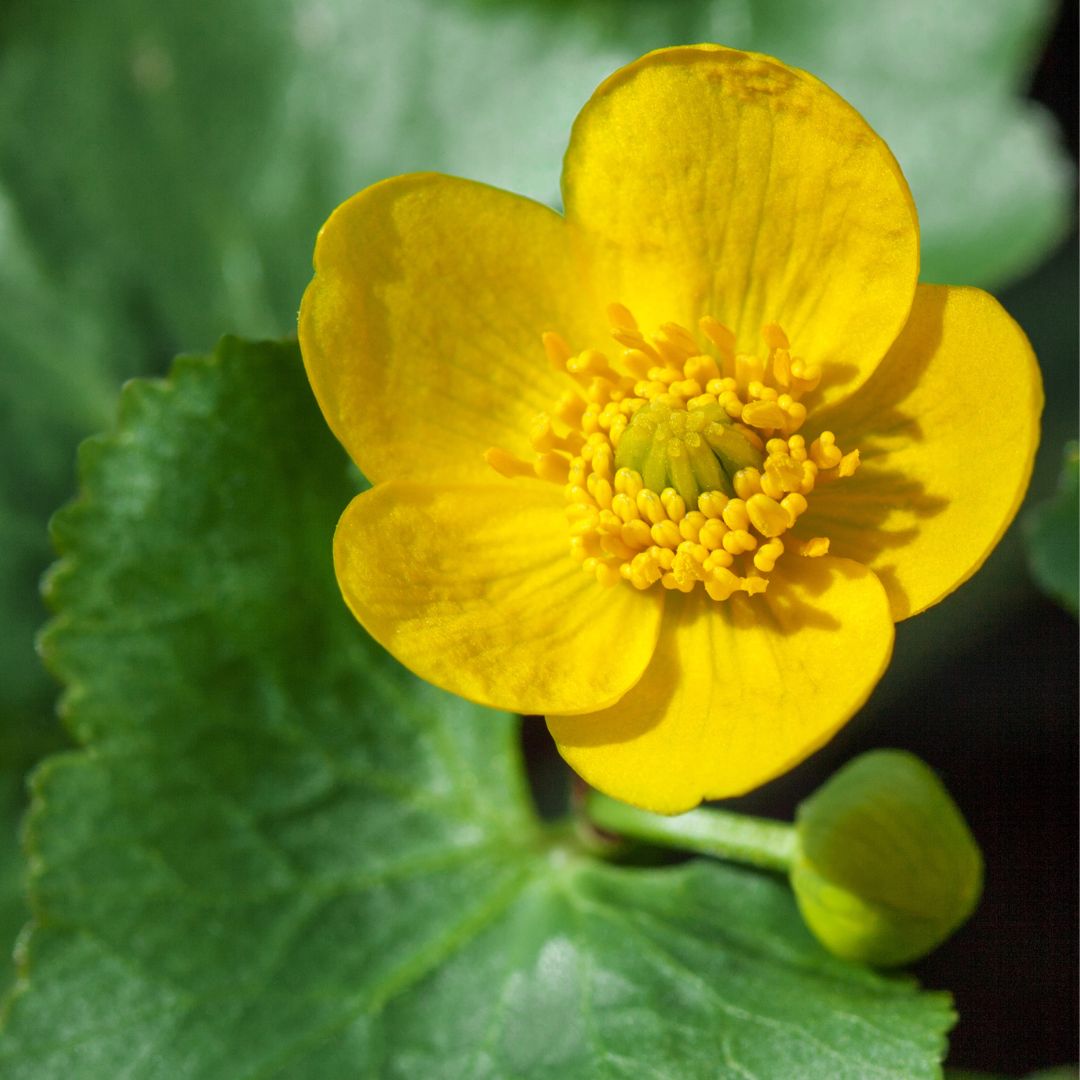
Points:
(886, 867)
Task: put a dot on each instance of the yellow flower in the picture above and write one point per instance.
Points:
(665, 468)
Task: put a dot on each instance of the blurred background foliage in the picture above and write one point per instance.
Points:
(164, 168)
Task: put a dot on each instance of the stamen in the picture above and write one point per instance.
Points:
(681, 460)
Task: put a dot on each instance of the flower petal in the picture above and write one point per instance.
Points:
(473, 588)
(739, 691)
(421, 329)
(710, 181)
(947, 431)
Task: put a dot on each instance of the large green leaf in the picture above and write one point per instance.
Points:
(277, 854)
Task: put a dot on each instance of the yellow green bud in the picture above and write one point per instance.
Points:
(885, 866)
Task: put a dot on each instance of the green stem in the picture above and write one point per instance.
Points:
(720, 833)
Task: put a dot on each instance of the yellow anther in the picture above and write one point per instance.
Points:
(768, 516)
(683, 584)
(698, 553)
(751, 436)
(712, 503)
(765, 557)
(558, 352)
(650, 507)
(752, 584)
(719, 335)
(796, 416)
(637, 362)
(644, 571)
(637, 534)
(618, 426)
(553, 467)
(584, 547)
(735, 515)
(824, 452)
(628, 481)
(748, 369)
(598, 391)
(679, 336)
(795, 504)
(805, 376)
(541, 436)
(686, 571)
(577, 473)
(666, 534)
(635, 339)
(600, 490)
(507, 464)
(731, 403)
(746, 482)
(649, 389)
(569, 408)
(848, 464)
(774, 336)
(607, 522)
(607, 573)
(815, 548)
(718, 558)
(591, 362)
(578, 494)
(673, 504)
(625, 507)
(781, 368)
(662, 556)
(686, 388)
(772, 486)
(690, 525)
(712, 533)
(603, 461)
(613, 546)
(739, 541)
(583, 526)
(785, 470)
(702, 369)
(620, 317)
(721, 583)
(763, 414)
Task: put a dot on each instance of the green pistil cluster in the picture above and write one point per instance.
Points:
(692, 451)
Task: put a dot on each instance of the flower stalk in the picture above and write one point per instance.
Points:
(722, 834)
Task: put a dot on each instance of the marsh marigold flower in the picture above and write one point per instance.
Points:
(666, 467)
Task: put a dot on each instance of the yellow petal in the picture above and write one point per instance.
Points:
(710, 181)
(738, 691)
(473, 588)
(947, 431)
(421, 329)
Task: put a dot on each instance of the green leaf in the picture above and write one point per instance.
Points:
(280, 855)
(1052, 529)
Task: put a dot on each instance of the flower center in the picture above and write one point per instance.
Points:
(682, 465)
(691, 450)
